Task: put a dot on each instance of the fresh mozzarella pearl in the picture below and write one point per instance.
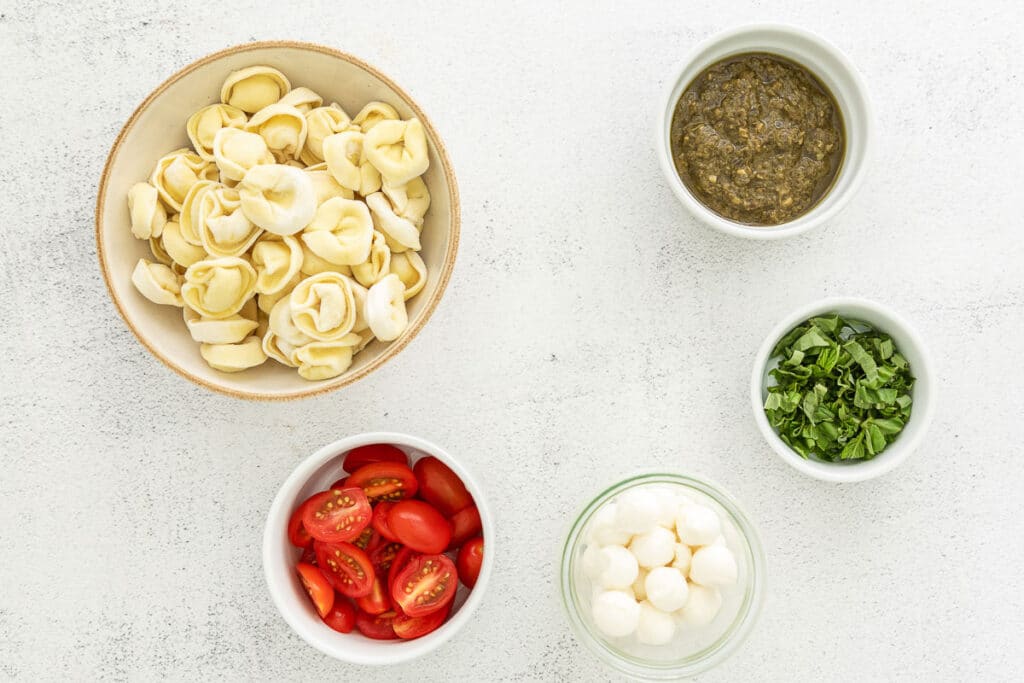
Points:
(668, 503)
(656, 548)
(713, 565)
(620, 569)
(702, 606)
(592, 561)
(639, 590)
(637, 511)
(603, 530)
(615, 613)
(654, 626)
(666, 588)
(697, 525)
(682, 558)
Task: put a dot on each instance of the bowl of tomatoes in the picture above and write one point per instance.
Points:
(374, 548)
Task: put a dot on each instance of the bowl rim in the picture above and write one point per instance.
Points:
(275, 541)
(817, 215)
(897, 452)
(394, 347)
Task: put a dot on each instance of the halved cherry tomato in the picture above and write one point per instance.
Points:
(407, 627)
(368, 538)
(385, 481)
(378, 627)
(419, 526)
(318, 588)
(342, 617)
(340, 484)
(402, 558)
(441, 487)
(377, 452)
(471, 557)
(380, 520)
(465, 525)
(337, 515)
(377, 602)
(346, 567)
(308, 554)
(426, 584)
(297, 534)
(383, 556)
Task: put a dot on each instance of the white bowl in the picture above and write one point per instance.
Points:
(157, 127)
(907, 342)
(316, 473)
(826, 62)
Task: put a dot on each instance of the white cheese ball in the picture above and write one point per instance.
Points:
(592, 562)
(639, 590)
(603, 530)
(666, 589)
(620, 569)
(656, 548)
(701, 607)
(615, 613)
(637, 511)
(682, 558)
(654, 627)
(668, 504)
(713, 565)
(697, 525)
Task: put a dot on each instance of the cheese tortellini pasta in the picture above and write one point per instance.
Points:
(287, 230)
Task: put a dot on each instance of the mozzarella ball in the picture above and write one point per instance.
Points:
(697, 525)
(666, 589)
(668, 504)
(654, 627)
(636, 511)
(639, 590)
(656, 548)
(701, 607)
(604, 531)
(620, 569)
(682, 558)
(615, 613)
(592, 561)
(713, 565)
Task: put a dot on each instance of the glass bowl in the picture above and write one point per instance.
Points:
(694, 649)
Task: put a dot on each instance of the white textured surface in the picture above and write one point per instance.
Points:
(590, 328)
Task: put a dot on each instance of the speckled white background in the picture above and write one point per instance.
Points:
(591, 327)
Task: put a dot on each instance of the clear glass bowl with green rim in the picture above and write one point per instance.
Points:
(694, 649)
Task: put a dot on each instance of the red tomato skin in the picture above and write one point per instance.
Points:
(402, 558)
(378, 627)
(469, 561)
(409, 628)
(380, 520)
(354, 575)
(423, 575)
(318, 588)
(378, 601)
(297, 534)
(337, 515)
(342, 617)
(420, 526)
(377, 452)
(385, 481)
(308, 554)
(340, 484)
(465, 525)
(440, 486)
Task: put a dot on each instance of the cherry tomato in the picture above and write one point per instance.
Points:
(420, 526)
(337, 515)
(308, 554)
(378, 452)
(342, 617)
(368, 539)
(317, 586)
(471, 557)
(385, 481)
(426, 584)
(402, 558)
(340, 484)
(346, 567)
(380, 520)
(407, 627)
(383, 556)
(441, 487)
(297, 534)
(378, 627)
(465, 525)
(378, 601)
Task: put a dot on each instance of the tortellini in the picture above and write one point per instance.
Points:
(288, 231)
(398, 149)
(218, 288)
(253, 88)
(278, 198)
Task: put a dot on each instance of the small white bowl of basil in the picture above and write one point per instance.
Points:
(842, 389)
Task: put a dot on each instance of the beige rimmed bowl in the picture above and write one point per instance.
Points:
(157, 126)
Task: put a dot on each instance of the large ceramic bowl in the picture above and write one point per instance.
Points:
(157, 127)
